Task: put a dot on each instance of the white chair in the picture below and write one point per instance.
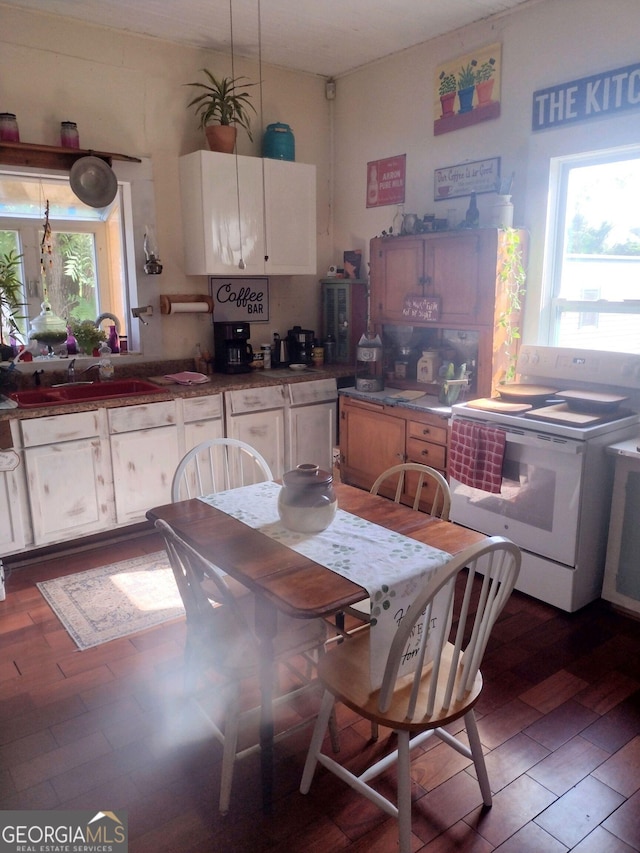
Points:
(422, 477)
(216, 465)
(446, 683)
(221, 642)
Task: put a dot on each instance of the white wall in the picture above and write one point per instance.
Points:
(126, 94)
(387, 109)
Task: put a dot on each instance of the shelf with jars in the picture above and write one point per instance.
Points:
(52, 156)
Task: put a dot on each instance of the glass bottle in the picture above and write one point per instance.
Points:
(398, 221)
(69, 134)
(9, 128)
(114, 340)
(473, 214)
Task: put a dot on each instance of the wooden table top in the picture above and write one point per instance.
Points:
(292, 582)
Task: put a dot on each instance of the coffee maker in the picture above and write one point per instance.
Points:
(232, 351)
(300, 345)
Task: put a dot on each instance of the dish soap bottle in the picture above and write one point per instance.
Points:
(105, 368)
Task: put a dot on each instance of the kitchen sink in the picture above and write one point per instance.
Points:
(84, 392)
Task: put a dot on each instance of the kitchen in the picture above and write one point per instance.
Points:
(141, 111)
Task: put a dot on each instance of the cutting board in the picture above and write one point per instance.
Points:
(562, 414)
(490, 405)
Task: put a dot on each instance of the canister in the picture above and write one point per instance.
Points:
(427, 369)
(278, 142)
(258, 361)
(9, 128)
(69, 134)
(266, 355)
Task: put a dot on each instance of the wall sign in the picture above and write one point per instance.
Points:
(423, 308)
(479, 176)
(588, 97)
(240, 300)
(386, 181)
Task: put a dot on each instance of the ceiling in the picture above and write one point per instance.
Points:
(325, 37)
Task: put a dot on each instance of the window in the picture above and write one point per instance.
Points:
(595, 298)
(85, 274)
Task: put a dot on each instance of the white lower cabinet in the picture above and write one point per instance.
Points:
(144, 454)
(13, 529)
(256, 416)
(311, 423)
(202, 419)
(68, 474)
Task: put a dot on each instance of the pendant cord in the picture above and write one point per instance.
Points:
(264, 198)
(241, 264)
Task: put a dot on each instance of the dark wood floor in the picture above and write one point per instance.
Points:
(108, 728)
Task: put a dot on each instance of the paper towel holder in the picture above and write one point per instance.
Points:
(181, 303)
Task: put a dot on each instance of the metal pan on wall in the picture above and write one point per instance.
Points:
(93, 181)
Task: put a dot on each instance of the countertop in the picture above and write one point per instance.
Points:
(219, 382)
(402, 399)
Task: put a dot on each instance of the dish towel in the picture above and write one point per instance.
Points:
(477, 454)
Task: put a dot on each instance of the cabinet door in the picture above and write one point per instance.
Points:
(452, 273)
(12, 527)
(69, 489)
(370, 442)
(290, 208)
(397, 268)
(144, 462)
(311, 434)
(265, 432)
(222, 213)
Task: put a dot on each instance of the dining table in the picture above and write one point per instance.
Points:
(308, 576)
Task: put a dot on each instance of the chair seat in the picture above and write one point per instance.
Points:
(345, 672)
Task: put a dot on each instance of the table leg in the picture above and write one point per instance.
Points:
(266, 618)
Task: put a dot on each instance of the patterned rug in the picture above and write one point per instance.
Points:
(115, 600)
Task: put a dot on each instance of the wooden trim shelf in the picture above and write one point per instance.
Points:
(52, 156)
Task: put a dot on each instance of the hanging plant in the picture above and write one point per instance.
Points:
(513, 277)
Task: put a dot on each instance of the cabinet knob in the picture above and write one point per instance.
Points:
(424, 452)
(426, 431)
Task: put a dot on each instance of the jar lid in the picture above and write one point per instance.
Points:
(307, 474)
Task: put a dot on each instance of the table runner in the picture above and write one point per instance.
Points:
(390, 566)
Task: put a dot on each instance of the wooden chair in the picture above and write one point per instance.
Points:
(222, 644)
(426, 478)
(445, 685)
(216, 465)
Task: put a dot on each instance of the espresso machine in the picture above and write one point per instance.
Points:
(300, 345)
(231, 348)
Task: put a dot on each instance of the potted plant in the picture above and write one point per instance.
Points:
(87, 334)
(10, 301)
(222, 106)
(466, 86)
(447, 92)
(484, 81)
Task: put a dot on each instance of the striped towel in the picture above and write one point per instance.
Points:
(477, 454)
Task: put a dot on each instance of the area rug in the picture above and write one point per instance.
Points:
(115, 601)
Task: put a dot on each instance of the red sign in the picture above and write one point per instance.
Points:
(386, 181)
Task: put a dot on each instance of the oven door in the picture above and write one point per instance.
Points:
(539, 501)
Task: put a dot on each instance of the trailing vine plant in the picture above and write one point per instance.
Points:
(513, 276)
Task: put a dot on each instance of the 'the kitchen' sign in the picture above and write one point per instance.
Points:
(240, 300)
(589, 97)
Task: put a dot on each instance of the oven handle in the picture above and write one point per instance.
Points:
(530, 438)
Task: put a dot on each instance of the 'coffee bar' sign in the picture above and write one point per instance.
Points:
(240, 300)
(589, 97)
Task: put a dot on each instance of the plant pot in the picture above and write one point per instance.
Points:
(484, 91)
(221, 137)
(446, 102)
(466, 99)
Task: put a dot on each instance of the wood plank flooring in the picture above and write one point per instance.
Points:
(108, 728)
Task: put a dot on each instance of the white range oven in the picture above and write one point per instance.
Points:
(555, 495)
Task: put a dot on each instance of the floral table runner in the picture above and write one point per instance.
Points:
(390, 566)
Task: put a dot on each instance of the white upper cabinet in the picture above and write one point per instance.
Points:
(227, 217)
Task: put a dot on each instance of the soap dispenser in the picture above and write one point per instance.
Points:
(105, 368)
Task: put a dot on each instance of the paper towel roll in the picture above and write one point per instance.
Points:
(189, 308)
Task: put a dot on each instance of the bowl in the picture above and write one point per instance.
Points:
(297, 367)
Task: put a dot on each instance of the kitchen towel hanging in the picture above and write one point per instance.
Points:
(186, 304)
(477, 455)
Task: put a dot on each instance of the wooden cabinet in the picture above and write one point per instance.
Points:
(374, 436)
(344, 315)
(144, 454)
(226, 216)
(461, 272)
(68, 476)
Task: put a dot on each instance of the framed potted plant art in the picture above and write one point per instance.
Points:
(467, 89)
